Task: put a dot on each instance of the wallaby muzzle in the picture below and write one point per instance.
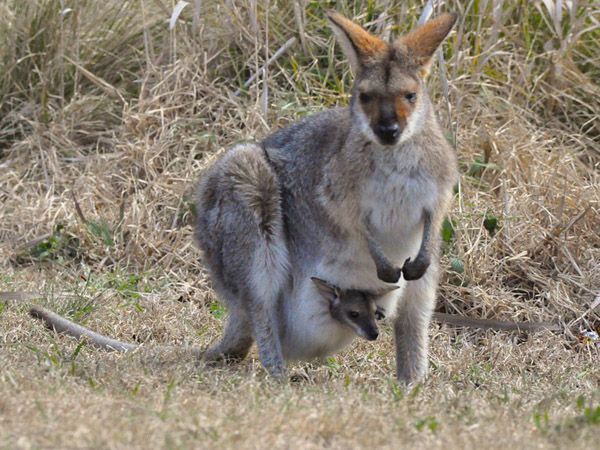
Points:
(387, 127)
(388, 133)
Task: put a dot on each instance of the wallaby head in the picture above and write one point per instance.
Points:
(388, 97)
(353, 307)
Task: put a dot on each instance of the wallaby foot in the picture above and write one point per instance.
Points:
(235, 343)
(411, 356)
(413, 270)
(411, 327)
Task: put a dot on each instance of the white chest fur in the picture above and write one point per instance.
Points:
(394, 197)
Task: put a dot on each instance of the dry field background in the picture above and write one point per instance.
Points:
(107, 117)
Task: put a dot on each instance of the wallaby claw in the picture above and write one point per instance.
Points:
(277, 373)
(389, 274)
(413, 270)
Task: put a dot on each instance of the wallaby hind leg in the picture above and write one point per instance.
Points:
(411, 326)
(266, 333)
(267, 279)
(236, 341)
(242, 234)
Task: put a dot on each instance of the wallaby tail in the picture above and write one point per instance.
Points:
(61, 325)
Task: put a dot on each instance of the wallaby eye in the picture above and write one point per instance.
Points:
(353, 314)
(411, 97)
(364, 97)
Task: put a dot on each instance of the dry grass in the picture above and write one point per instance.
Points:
(106, 120)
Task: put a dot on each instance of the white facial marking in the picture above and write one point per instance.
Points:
(365, 126)
(414, 122)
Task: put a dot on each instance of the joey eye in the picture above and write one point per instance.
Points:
(353, 314)
(411, 97)
(364, 97)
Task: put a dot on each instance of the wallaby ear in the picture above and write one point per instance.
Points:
(358, 44)
(382, 291)
(422, 42)
(327, 290)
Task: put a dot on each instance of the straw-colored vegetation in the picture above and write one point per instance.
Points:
(107, 118)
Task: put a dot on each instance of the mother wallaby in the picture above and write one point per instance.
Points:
(353, 195)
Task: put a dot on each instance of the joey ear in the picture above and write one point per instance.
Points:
(327, 290)
(358, 44)
(422, 42)
(382, 291)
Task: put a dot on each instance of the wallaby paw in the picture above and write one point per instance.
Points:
(413, 270)
(212, 356)
(412, 376)
(389, 274)
(276, 370)
(216, 360)
(380, 313)
(278, 374)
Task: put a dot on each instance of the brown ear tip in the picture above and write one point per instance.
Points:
(452, 17)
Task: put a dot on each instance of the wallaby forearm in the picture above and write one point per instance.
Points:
(412, 269)
(386, 271)
(415, 269)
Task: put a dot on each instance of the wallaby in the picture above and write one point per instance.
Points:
(346, 195)
(339, 313)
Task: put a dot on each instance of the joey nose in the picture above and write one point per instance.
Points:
(372, 334)
(388, 132)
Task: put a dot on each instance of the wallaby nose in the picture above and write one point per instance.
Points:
(388, 132)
